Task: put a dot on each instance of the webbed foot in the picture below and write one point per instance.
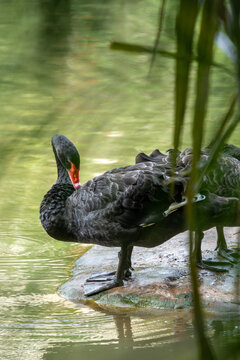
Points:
(93, 288)
(108, 276)
(232, 255)
(104, 276)
(99, 282)
(214, 265)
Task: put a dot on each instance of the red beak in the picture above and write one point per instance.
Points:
(74, 176)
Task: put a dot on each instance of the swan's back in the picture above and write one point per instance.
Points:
(114, 205)
(224, 177)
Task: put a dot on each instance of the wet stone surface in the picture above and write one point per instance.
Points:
(160, 278)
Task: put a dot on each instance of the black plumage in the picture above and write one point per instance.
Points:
(110, 208)
(124, 207)
(220, 185)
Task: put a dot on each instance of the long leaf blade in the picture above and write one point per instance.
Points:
(185, 24)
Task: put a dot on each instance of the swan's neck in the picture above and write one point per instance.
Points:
(63, 177)
(53, 214)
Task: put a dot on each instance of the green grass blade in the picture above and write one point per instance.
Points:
(217, 147)
(141, 49)
(185, 24)
(209, 26)
(208, 30)
(156, 44)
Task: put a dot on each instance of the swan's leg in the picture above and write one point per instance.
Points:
(209, 264)
(127, 271)
(230, 255)
(109, 275)
(92, 288)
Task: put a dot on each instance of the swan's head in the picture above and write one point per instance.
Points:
(68, 156)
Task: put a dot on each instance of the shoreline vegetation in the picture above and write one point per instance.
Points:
(197, 26)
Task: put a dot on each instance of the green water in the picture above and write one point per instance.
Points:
(59, 76)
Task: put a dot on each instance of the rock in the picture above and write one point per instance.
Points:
(160, 278)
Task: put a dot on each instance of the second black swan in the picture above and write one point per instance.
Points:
(222, 180)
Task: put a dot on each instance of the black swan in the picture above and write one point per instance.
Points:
(223, 180)
(124, 207)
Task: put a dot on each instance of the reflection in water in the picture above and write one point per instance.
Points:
(124, 330)
(59, 76)
(149, 337)
(129, 334)
(55, 28)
